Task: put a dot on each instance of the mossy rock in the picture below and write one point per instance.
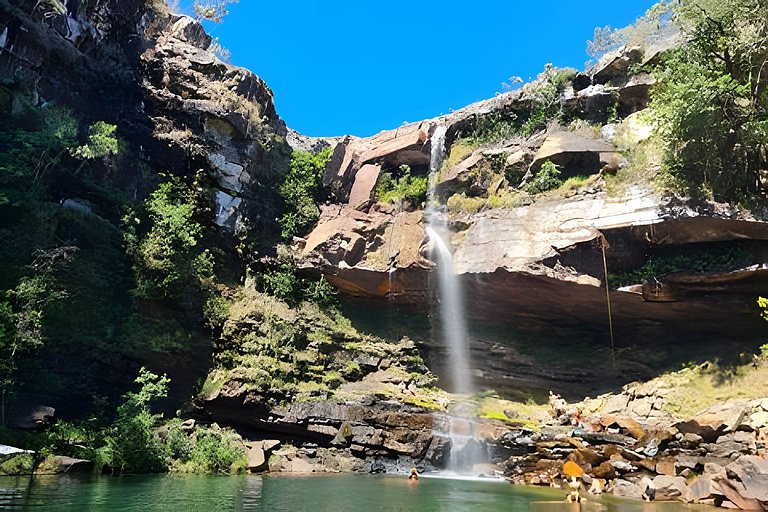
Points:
(17, 464)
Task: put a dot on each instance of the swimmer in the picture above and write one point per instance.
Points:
(414, 474)
(574, 485)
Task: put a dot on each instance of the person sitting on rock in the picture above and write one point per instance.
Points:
(557, 404)
(596, 487)
(414, 474)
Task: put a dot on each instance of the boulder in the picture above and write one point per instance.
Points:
(364, 187)
(257, 459)
(574, 153)
(406, 145)
(458, 178)
(635, 94)
(666, 467)
(615, 65)
(626, 489)
(57, 464)
(628, 425)
(703, 488)
(714, 421)
(605, 471)
(671, 488)
(745, 482)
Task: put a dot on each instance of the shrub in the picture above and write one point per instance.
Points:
(300, 190)
(459, 203)
(163, 241)
(392, 189)
(215, 451)
(282, 282)
(130, 443)
(547, 178)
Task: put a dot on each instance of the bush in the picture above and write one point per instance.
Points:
(392, 189)
(283, 283)
(546, 179)
(300, 190)
(130, 442)
(164, 240)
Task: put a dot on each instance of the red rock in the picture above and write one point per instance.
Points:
(364, 187)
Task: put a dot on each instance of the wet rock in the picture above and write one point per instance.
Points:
(625, 489)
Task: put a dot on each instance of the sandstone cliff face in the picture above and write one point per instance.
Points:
(534, 263)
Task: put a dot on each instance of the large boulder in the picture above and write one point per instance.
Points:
(574, 153)
(407, 145)
(745, 483)
(715, 421)
(671, 488)
(364, 187)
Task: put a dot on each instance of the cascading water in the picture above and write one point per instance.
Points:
(453, 324)
(465, 450)
(452, 319)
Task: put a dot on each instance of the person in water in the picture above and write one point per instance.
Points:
(574, 486)
(414, 474)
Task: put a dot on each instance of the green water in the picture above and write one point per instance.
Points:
(335, 493)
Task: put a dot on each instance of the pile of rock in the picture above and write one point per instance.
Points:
(717, 457)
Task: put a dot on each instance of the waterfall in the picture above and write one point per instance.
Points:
(452, 328)
(453, 323)
(452, 319)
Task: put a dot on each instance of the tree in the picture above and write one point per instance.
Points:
(711, 103)
(22, 311)
(130, 443)
(212, 10)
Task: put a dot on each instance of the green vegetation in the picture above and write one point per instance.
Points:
(653, 25)
(304, 353)
(202, 449)
(694, 389)
(164, 241)
(101, 142)
(711, 102)
(547, 178)
(546, 92)
(300, 190)
(21, 314)
(130, 444)
(710, 261)
(401, 187)
(460, 203)
(212, 10)
(136, 440)
(283, 282)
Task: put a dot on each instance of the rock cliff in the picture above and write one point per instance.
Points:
(519, 254)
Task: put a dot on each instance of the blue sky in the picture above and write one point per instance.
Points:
(359, 67)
